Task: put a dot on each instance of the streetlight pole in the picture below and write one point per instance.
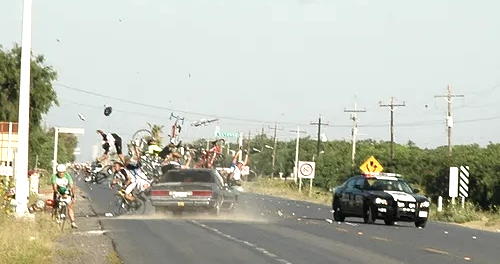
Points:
(21, 171)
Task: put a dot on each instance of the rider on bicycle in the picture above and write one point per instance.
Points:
(63, 187)
(236, 167)
(127, 179)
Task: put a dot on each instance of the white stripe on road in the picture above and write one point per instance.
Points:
(246, 243)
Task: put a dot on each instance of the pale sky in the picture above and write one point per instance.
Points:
(271, 60)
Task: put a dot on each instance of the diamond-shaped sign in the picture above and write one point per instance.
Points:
(371, 165)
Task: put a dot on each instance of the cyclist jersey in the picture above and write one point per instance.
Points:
(63, 184)
(154, 149)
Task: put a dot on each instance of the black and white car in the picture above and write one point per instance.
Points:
(380, 196)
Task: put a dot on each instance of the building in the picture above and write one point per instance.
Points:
(8, 146)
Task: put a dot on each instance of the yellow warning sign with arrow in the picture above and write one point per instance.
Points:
(371, 165)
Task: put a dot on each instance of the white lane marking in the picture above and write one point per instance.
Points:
(246, 243)
(351, 224)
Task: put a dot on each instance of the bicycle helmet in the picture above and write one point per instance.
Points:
(61, 168)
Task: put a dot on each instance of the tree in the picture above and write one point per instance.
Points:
(42, 98)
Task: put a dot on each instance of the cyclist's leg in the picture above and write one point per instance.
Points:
(71, 212)
(118, 146)
(128, 191)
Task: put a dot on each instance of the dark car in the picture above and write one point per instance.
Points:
(192, 190)
(380, 196)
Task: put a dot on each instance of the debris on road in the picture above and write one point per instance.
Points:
(330, 221)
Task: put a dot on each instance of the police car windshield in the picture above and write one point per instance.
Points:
(374, 184)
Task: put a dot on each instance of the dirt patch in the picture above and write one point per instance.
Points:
(484, 225)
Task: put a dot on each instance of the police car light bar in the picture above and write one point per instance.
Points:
(381, 174)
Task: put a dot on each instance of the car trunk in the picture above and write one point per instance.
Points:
(182, 190)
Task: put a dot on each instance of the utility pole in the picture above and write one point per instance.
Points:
(392, 106)
(21, 159)
(319, 124)
(296, 172)
(275, 146)
(449, 117)
(354, 117)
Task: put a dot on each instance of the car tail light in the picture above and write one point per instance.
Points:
(202, 193)
(160, 193)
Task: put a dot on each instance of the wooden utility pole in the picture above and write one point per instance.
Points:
(319, 124)
(275, 146)
(392, 106)
(449, 117)
(354, 117)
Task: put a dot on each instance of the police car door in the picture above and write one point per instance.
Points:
(346, 201)
(358, 196)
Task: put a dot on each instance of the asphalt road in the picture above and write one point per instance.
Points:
(267, 229)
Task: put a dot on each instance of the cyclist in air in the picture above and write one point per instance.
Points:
(111, 140)
(153, 148)
(63, 186)
(236, 167)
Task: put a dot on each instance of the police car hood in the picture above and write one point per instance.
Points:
(399, 196)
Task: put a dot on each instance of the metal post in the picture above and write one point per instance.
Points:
(297, 156)
(9, 153)
(56, 146)
(440, 204)
(21, 170)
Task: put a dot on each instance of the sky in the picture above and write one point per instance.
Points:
(253, 63)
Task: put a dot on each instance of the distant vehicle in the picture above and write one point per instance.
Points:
(380, 196)
(192, 190)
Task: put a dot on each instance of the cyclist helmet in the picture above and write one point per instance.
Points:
(61, 168)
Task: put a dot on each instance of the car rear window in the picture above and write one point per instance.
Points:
(187, 176)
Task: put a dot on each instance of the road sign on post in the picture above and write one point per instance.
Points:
(371, 165)
(464, 182)
(453, 185)
(306, 170)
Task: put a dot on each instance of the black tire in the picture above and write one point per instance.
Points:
(420, 223)
(216, 209)
(389, 221)
(337, 213)
(117, 206)
(369, 214)
(160, 210)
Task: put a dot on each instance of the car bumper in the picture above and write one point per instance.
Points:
(402, 214)
(184, 203)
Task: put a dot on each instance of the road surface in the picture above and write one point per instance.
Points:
(267, 229)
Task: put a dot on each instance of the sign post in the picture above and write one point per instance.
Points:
(306, 170)
(453, 184)
(67, 130)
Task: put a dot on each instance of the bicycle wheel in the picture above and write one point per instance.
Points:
(140, 137)
(118, 206)
(63, 216)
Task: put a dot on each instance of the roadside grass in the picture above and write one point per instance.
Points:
(27, 241)
(113, 258)
(288, 189)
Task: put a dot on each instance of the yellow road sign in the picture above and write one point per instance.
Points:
(371, 165)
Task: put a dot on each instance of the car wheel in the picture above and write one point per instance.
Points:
(216, 209)
(337, 213)
(160, 210)
(177, 212)
(369, 215)
(421, 223)
(389, 221)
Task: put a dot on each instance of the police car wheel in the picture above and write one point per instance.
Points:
(389, 221)
(369, 215)
(337, 214)
(420, 223)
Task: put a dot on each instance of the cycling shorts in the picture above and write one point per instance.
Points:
(130, 187)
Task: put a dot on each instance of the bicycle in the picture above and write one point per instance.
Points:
(120, 205)
(61, 212)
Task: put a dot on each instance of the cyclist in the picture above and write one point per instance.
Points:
(63, 186)
(127, 179)
(153, 148)
(111, 140)
(235, 175)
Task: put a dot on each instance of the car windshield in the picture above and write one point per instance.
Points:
(388, 185)
(187, 176)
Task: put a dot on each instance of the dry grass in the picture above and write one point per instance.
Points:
(289, 190)
(113, 258)
(27, 241)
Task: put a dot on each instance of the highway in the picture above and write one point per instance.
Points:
(267, 229)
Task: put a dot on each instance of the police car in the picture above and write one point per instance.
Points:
(383, 196)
